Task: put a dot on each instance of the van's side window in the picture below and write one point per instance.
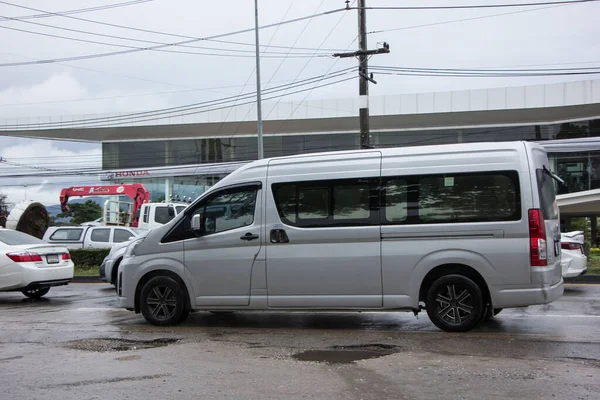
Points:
(452, 198)
(395, 201)
(313, 203)
(343, 202)
(228, 210)
(467, 197)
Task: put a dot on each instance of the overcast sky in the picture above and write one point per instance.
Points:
(148, 80)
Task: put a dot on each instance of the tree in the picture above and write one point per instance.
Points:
(83, 212)
(3, 210)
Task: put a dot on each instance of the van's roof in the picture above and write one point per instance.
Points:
(390, 151)
(441, 148)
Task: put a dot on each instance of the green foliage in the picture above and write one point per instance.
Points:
(88, 258)
(583, 224)
(83, 212)
(595, 252)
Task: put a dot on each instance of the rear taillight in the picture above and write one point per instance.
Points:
(537, 239)
(570, 246)
(66, 256)
(24, 256)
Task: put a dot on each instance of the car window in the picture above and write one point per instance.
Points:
(180, 209)
(100, 235)
(122, 235)
(161, 215)
(228, 210)
(547, 191)
(15, 238)
(472, 197)
(146, 213)
(67, 234)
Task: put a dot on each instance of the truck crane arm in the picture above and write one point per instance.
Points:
(135, 191)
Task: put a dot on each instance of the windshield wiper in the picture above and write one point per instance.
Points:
(553, 175)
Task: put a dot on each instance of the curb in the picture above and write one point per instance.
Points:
(584, 279)
(86, 279)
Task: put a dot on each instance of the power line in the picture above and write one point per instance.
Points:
(472, 6)
(463, 19)
(159, 47)
(127, 95)
(149, 30)
(191, 39)
(170, 111)
(77, 11)
(119, 38)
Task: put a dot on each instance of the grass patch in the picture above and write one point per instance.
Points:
(593, 265)
(87, 271)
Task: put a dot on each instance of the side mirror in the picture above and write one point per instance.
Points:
(195, 223)
(131, 237)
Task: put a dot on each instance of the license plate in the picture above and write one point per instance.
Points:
(52, 259)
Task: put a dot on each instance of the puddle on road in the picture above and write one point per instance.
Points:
(108, 344)
(347, 354)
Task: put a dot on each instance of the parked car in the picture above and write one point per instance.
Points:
(30, 265)
(461, 231)
(110, 265)
(573, 261)
(89, 237)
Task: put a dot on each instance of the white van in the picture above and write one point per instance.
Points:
(462, 231)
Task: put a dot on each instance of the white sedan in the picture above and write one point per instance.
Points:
(573, 259)
(30, 265)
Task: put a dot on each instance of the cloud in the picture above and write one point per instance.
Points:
(38, 158)
(63, 95)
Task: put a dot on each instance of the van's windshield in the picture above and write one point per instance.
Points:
(547, 194)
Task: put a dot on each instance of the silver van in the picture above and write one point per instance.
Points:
(461, 231)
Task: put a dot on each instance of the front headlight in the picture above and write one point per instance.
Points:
(131, 247)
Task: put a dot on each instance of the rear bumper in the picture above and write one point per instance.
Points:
(44, 284)
(574, 267)
(522, 297)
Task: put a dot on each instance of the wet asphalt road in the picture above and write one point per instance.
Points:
(76, 345)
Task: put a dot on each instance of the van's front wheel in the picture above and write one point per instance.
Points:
(162, 301)
(454, 303)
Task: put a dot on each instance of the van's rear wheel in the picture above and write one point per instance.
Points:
(163, 301)
(454, 303)
(491, 313)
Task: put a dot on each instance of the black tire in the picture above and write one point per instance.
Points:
(114, 272)
(163, 301)
(454, 303)
(491, 313)
(36, 293)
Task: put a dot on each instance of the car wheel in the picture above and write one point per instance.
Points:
(454, 303)
(114, 272)
(163, 301)
(35, 293)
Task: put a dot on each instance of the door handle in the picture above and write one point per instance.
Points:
(249, 236)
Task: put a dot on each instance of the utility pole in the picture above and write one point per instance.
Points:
(363, 83)
(258, 94)
(363, 72)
